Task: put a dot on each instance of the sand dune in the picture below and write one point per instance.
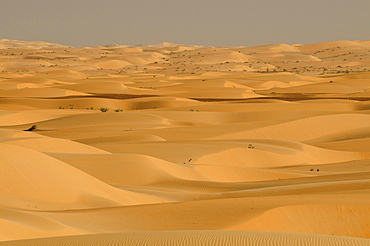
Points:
(184, 145)
(40, 92)
(81, 188)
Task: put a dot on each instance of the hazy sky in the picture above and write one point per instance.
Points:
(202, 22)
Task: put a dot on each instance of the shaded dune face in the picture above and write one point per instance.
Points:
(184, 145)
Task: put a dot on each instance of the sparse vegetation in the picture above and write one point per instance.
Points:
(32, 128)
(206, 153)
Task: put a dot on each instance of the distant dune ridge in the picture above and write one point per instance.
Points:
(169, 144)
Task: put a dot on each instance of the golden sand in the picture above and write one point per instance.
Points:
(185, 145)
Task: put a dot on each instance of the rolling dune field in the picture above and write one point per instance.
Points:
(170, 144)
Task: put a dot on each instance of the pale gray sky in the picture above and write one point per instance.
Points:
(203, 22)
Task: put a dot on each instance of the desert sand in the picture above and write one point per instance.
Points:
(171, 144)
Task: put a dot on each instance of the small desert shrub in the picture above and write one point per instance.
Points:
(118, 110)
(32, 128)
(104, 109)
(251, 146)
(71, 106)
(60, 107)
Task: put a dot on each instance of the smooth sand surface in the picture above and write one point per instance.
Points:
(170, 144)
